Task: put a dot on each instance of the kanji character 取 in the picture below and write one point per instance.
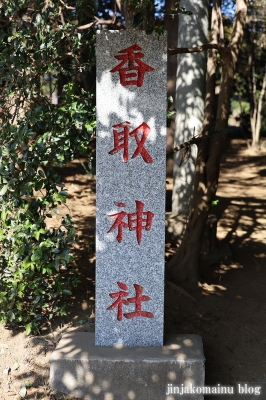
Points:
(135, 221)
(133, 73)
(140, 142)
(121, 140)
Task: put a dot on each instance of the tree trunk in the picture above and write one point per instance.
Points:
(184, 265)
(256, 110)
(259, 109)
(171, 26)
(190, 92)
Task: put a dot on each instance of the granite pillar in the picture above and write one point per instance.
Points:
(130, 179)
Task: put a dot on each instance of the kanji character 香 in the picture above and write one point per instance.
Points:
(120, 301)
(121, 133)
(136, 221)
(131, 69)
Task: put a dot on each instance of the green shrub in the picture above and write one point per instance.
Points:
(35, 137)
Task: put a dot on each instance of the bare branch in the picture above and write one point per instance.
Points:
(61, 16)
(105, 22)
(119, 5)
(66, 6)
(87, 25)
(99, 21)
(194, 140)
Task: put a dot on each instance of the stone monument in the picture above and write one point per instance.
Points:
(128, 357)
(130, 188)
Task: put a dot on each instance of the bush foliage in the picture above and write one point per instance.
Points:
(40, 40)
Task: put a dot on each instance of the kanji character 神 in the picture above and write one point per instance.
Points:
(137, 300)
(121, 133)
(133, 72)
(134, 222)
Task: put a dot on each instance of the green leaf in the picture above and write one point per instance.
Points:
(37, 234)
(41, 173)
(11, 316)
(3, 190)
(138, 19)
(28, 328)
(66, 291)
(38, 185)
(3, 215)
(170, 99)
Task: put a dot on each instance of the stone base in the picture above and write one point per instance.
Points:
(81, 369)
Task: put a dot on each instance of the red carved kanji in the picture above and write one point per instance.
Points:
(135, 222)
(131, 69)
(137, 300)
(119, 223)
(120, 300)
(121, 133)
(121, 139)
(140, 142)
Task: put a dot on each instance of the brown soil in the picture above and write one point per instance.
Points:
(229, 308)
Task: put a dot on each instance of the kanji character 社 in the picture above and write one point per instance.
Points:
(138, 307)
(121, 133)
(137, 300)
(120, 300)
(135, 222)
(131, 69)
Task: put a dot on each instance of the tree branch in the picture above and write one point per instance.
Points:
(194, 140)
(87, 26)
(66, 6)
(99, 21)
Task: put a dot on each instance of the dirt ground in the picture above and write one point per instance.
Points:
(228, 311)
